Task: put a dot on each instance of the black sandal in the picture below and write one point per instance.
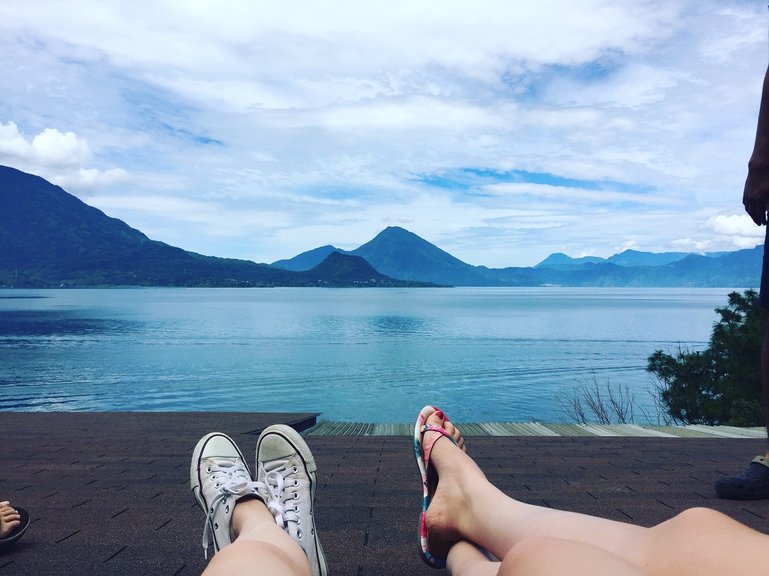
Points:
(17, 532)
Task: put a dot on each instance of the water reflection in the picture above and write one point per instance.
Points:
(399, 325)
(375, 356)
(16, 323)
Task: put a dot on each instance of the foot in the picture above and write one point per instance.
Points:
(219, 478)
(14, 522)
(9, 519)
(753, 484)
(449, 471)
(286, 466)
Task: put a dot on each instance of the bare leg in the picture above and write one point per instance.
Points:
(465, 559)
(541, 557)
(466, 506)
(260, 547)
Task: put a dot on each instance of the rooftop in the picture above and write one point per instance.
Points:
(108, 493)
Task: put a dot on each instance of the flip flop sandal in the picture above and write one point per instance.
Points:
(423, 461)
(17, 532)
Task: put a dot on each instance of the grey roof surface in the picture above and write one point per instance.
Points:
(108, 493)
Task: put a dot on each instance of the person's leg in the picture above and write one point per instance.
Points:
(556, 557)
(704, 542)
(540, 557)
(765, 378)
(285, 464)
(244, 534)
(753, 483)
(465, 506)
(464, 559)
(259, 547)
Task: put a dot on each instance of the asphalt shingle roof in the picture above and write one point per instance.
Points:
(108, 493)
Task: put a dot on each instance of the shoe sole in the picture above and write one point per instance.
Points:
(295, 439)
(195, 475)
(733, 491)
(427, 557)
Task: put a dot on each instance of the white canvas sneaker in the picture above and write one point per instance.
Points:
(286, 466)
(219, 477)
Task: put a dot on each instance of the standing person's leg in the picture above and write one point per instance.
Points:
(764, 302)
(753, 483)
(465, 506)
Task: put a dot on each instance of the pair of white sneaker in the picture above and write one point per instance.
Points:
(285, 481)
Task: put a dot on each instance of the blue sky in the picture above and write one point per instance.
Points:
(500, 131)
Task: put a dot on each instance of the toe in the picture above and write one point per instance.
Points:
(438, 418)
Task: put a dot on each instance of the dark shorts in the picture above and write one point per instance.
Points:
(763, 295)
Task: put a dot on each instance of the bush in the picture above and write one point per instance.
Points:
(721, 384)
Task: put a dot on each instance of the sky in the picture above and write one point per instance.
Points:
(500, 130)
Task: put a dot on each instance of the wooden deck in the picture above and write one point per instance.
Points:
(327, 428)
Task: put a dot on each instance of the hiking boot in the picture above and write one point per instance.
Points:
(219, 477)
(753, 484)
(286, 466)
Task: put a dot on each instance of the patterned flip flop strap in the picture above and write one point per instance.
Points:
(428, 448)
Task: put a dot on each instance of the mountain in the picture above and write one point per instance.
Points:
(561, 261)
(403, 254)
(306, 260)
(636, 258)
(50, 238)
(350, 270)
(400, 254)
(627, 258)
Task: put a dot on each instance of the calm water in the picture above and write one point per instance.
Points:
(366, 354)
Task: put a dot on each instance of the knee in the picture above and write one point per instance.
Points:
(698, 516)
(555, 557)
(693, 521)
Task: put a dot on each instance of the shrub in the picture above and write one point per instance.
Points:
(721, 384)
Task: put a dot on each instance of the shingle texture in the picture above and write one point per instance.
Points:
(108, 493)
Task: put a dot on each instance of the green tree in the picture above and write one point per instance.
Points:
(721, 384)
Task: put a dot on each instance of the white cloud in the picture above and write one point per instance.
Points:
(734, 225)
(739, 230)
(12, 143)
(691, 245)
(301, 123)
(54, 148)
(49, 148)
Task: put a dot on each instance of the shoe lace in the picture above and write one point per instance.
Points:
(281, 492)
(230, 480)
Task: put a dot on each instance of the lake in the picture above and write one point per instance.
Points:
(374, 355)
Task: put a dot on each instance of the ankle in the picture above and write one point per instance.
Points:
(445, 515)
(249, 514)
(451, 462)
